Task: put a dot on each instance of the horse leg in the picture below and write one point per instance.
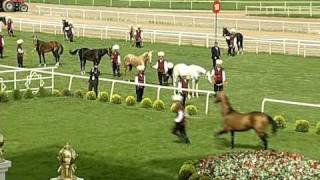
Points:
(232, 139)
(39, 54)
(197, 88)
(193, 88)
(264, 137)
(224, 131)
(44, 60)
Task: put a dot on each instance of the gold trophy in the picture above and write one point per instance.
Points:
(67, 168)
(1, 148)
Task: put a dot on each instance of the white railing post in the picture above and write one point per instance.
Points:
(259, 26)
(207, 41)
(70, 83)
(106, 32)
(52, 80)
(170, 4)
(207, 103)
(111, 3)
(149, 3)
(129, 3)
(20, 25)
(191, 4)
(310, 9)
(270, 49)
(304, 51)
(283, 26)
(262, 104)
(111, 91)
(179, 43)
(284, 46)
(83, 14)
(15, 80)
(92, 2)
(298, 52)
(40, 26)
(257, 47)
(100, 15)
(158, 93)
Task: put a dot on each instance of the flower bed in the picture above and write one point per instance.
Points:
(259, 165)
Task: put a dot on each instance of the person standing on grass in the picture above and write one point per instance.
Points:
(10, 27)
(215, 54)
(162, 68)
(179, 128)
(1, 46)
(218, 76)
(183, 83)
(139, 37)
(94, 79)
(116, 60)
(20, 53)
(140, 78)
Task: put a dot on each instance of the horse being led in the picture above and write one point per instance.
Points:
(233, 38)
(131, 60)
(194, 73)
(3, 20)
(45, 47)
(93, 55)
(233, 121)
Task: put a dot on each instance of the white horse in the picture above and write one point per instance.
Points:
(193, 73)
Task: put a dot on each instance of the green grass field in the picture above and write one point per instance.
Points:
(174, 5)
(119, 142)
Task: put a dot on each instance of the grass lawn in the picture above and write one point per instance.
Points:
(119, 142)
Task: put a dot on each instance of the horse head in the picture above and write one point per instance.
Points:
(35, 40)
(148, 57)
(225, 32)
(3, 19)
(220, 97)
(109, 52)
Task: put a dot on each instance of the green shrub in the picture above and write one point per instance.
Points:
(302, 125)
(28, 94)
(4, 97)
(186, 170)
(318, 128)
(66, 92)
(91, 95)
(173, 107)
(158, 105)
(42, 92)
(191, 110)
(130, 101)
(56, 93)
(79, 94)
(196, 176)
(16, 94)
(281, 121)
(146, 103)
(103, 97)
(116, 99)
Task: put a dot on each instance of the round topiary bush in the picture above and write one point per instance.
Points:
(173, 107)
(146, 103)
(28, 94)
(16, 94)
(66, 92)
(91, 95)
(130, 101)
(42, 92)
(318, 128)
(116, 99)
(191, 110)
(4, 97)
(56, 93)
(158, 105)
(186, 170)
(79, 94)
(281, 121)
(103, 97)
(302, 126)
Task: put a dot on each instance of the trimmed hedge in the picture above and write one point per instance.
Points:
(42, 92)
(66, 92)
(79, 94)
(103, 96)
(116, 99)
(146, 103)
(28, 94)
(130, 101)
(187, 170)
(16, 94)
(4, 97)
(91, 95)
(318, 128)
(302, 126)
(191, 110)
(56, 93)
(173, 107)
(158, 105)
(281, 121)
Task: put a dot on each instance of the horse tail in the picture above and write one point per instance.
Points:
(74, 52)
(61, 49)
(273, 123)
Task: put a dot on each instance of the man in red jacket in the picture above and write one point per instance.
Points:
(116, 60)
(218, 77)
(162, 68)
(139, 37)
(140, 78)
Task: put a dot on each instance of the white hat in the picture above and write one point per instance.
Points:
(160, 53)
(20, 41)
(177, 98)
(170, 65)
(140, 68)
(139, 26)
(115, 47)
(219, 61)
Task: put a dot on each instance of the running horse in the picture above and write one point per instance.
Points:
(233, 121)
(131, 61)
(239, 41)
(43, 47)
(93, 55)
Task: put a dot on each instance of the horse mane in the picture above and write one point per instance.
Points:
(226, 107)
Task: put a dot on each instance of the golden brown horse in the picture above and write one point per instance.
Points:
(233, 121)
(131, 60)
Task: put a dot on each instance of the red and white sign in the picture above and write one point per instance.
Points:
(216, 7)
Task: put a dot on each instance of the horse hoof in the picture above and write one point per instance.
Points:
(45, 65)
(40, 65)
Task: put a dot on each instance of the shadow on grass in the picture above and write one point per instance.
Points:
(226, 142)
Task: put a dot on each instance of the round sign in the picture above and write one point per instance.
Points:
(216, 7)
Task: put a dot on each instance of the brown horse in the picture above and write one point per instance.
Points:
(131, 60)
(233, 121)
(45, 47)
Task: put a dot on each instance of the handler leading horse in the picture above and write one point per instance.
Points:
(131, 60)
(229, 35)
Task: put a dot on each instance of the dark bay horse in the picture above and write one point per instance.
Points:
(43, 47)
(3, 20)
(233, 121)
(239, 37)
(93, 55)
(67, 29)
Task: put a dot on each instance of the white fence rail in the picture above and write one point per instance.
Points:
(283, 10)
(113, 81)
(178, 20)
(284, 46)
(286, 102)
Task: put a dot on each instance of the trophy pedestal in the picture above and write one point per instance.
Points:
(4, 166)
(58, 179)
